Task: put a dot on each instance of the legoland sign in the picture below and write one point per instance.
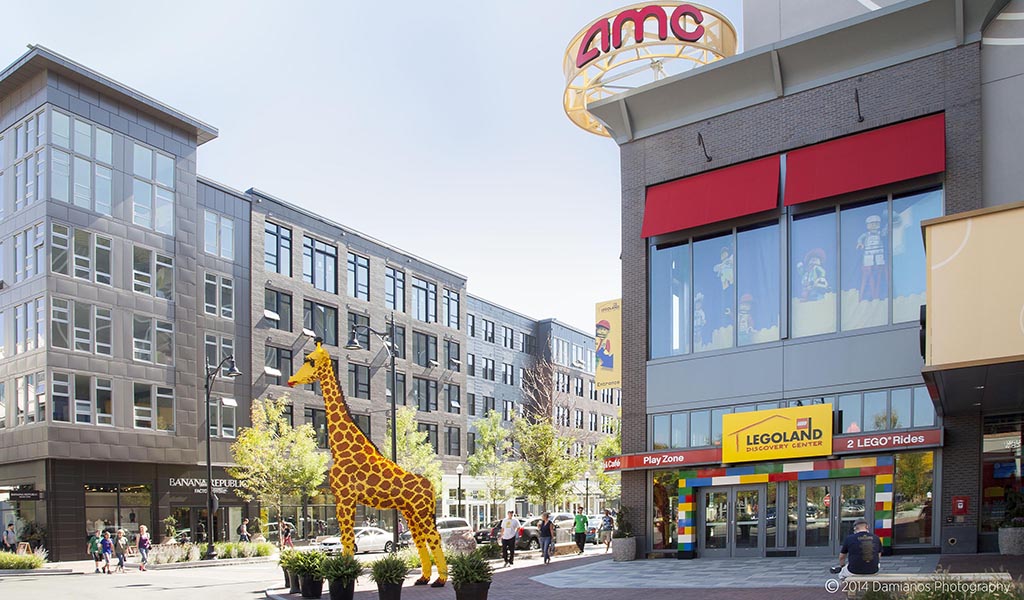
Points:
(607, 34)
(780, 433)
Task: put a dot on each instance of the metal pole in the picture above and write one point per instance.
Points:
(211, 552)
(394, 424)
(460, 495)
(586, 498)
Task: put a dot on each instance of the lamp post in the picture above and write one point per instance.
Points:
(211, 375)
(388, 340)
(458, 471)
(586, 497)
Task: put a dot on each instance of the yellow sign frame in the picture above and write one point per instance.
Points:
(796, 432)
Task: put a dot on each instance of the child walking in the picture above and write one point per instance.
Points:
(120, 548)
(107, 548)
(144, 545)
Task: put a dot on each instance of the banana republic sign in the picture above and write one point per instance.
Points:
(781, 433)
(197, 485)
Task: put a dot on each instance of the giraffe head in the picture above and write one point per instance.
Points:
(307, 372)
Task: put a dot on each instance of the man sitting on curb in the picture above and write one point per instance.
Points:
(862, 548)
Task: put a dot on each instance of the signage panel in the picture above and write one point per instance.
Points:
(27, 495)
(607, 345)
(780, 433)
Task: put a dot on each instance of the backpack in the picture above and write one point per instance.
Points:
(239, 530)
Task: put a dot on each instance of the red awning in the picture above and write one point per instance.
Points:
(711, 197)
(866, 160)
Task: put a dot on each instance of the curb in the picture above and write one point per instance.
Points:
(270, 594)
(198, 564)
(35, 572)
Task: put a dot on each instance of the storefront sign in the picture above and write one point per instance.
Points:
(653, 460)
(608, 345)
(609, 34)
(780, 433)
(27, 495)
(891, 440)
(197, 485)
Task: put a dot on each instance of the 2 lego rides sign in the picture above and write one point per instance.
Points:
(781, 433)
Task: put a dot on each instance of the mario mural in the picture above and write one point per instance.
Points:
(605, 357)
(607, 339)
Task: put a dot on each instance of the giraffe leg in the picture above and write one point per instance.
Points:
(346, 512)
(419, 539)
(434, 539)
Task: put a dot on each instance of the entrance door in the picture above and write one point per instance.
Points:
(732, 522)
(827, 510)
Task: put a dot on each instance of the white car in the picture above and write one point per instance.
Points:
(368, 539)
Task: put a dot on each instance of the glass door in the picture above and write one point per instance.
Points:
(814, 514)
(732, 522)
(748, 522)
(714, 539)
(856, 501)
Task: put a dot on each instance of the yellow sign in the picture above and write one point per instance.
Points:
(780, 433)
(607, 345)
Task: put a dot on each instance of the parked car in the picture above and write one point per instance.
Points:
(446, 526)
(368, 539)
(488, 533)
(593, 526)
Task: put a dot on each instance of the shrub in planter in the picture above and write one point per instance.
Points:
(341, 573)
(389, 573)
(287, 561)
(306, 566)
(471, 576)
(623, 542)
(489, 551)
(21, 561)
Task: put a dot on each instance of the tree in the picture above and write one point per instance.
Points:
(610, 484)
(546, 467)
(415, 453)
(273, 459)
(491, 461)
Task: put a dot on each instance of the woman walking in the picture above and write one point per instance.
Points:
(144, 544)
(607, 525)
(547, 534)
(120, 549)
(107, 548)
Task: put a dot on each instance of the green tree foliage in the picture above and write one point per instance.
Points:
(546, 468)
(415, 454)
(610, 484)
(492, 460)
(274, 459)
(913, 478)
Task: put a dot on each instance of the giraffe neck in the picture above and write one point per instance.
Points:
(338, 415)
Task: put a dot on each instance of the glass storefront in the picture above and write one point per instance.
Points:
(665, 500)
(109, 507)
(1000, 467)
(912, 498)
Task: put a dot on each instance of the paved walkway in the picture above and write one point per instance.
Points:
(717, 573)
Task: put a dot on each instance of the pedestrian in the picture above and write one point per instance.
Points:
(96, 549)
(580, 529)
(547, 535)
(509, 532)
(862, 548)
(120, 549)
(243, 531)
(607, 526)
(286, 536)
(107, 547)
(144, 545)
(201, 532)
(10, 538)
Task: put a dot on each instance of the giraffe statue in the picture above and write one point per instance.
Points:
(361, 474)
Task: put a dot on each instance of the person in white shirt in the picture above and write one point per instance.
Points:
(509, 532)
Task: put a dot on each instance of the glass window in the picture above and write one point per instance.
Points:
(876, 411)
(358, 276)
(714, 279)
(320, 264)
(142, 334)
(716, 424)
(142, 163)
(277, 249)
(813, 274)
(849, 413)
(399, 345)
(359, 381)
(318, 418)
(104, 146)
(359, 326)
(914, 477)
(165, 170)
(424, 348)
(757, 283)
(280, 304)
(61, 129)
(142, 204)
(394, 289)
(908, 259)
(670, 300)
(104, 187)
(924, 410)
(82, 183)
(143, 406)
(164, 277)
(665, 500)
(450, 312)
(60, 176)
(900, 403)
(1000, 468)
(662, 432)
(700, 428)
(680, 434)
(865, 264)
(453, 393)
(424, 301)
(322, 320)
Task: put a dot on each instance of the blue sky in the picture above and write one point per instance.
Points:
(434, 126)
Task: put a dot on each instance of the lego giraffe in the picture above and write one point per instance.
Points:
(361, 474)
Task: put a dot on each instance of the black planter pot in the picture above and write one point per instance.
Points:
(311, 586)
(293, 583)
(287, 579)
(389, 591)
(341, 590)
(472, 591)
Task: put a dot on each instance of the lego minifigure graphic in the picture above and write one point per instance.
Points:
(604, 356)
(871, 243)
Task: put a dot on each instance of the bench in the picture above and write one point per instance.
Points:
(897, 585)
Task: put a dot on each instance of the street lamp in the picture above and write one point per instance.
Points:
(388, 340)
(211, 375)
(586, 497)
(458, 471)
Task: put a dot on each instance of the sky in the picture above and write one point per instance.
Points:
(436, 127)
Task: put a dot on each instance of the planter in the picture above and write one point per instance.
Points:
(311, 586)
(293, 583)
(624, 549)
(389, 591)
(472, 591)
(341, 590)
(287, 579)
(1011, 540)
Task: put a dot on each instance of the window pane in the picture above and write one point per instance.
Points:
(716, 424)
(913, 495)
(104, 179)
(924, 410)
(813, 275)
(662, 432)
(164, 277)
(60, 177)
(104, 146)
(227, 238)
(700, 428)
(83, 183)
(165, 170)
(165, 409)
(210, 233)
(142, 164)
(865, 244)
(83, 138)
(849, 413)
(680, 437)
(670, 300)
(876, 414)
(908, 265)
(142, 203)
(714, 287)
(757, 317)
(61, 129)
(164, 211)
(900, 408)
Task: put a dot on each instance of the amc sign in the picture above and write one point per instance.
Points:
(609, 32)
